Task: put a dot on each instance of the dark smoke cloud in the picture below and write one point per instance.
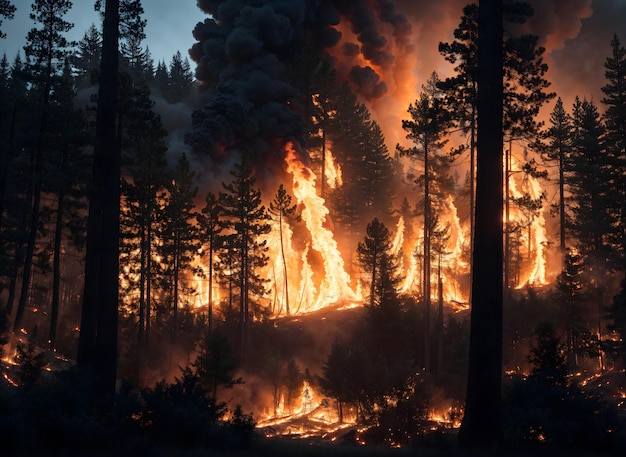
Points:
(387, 50)
(367, 83)
(243, 50)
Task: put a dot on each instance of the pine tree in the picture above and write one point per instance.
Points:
(359, 149)
(7, 10)
(144, 182)
(179, 233)
(180, 79)
(68, 182)
(569, 295)
(558, 150)
(86, 59)
(525, 87)
(46, 52)
(282, 209)
(592, 223)
(293, 381)
(615, 120)
(616, 313)
(97, 346)
(547, 357)
(215, 365)
(376, 259)
(161, 78)
(482, 422)
(210, 230)
(427, 127)
(16, 183)
(245, 223)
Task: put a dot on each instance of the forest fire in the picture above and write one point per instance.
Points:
(336, 283)
(293, 250)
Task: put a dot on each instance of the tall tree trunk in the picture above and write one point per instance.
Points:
(142, 284)
(97, 347)
(56, 269)
(562, 202)
(34, 218)
(282, 253)
(481, 426)
(426, 257)
(210, 311)
(148, 278)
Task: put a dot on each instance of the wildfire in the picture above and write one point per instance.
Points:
(450, 257)
(335, 285)
(533, 237)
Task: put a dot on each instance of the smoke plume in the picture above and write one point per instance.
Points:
(385, 49)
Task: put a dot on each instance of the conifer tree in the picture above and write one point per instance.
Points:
(426, 128)
(161, 78)
(46, 50)
(7, 10)
(547, 357)
(282, 209)
(15, 179)
(616, 314)
(592, 222)
(558, 150)
(615, 118)
(359, 149)
(68, 181)
(97, 345)
(482, 420)
(569, 295)
(244, 224)
(374, 254)
(179, 233)
(210, 230)
(144, 182)
(179, 80)
(615, 121)
(525, 86)
(86, 59)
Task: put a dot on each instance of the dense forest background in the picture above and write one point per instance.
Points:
(244, 300)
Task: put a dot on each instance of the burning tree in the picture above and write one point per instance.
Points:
(179, 233)
(427, 128)
(210, 230)
(281, 208)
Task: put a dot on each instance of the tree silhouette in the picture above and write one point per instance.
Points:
(244, 222)
(428, 124)
(281, 207)
(210, 229)
(482, 426)
(7, 10)
(97, 347)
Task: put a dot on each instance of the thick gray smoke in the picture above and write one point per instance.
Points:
(243, 51)
(382, 47)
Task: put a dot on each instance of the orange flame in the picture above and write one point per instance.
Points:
(336, 283)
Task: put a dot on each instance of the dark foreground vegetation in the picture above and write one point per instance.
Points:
(548, 412)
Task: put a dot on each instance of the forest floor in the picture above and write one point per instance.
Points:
(288, 447)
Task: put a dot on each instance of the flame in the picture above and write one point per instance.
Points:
(334, 176)
(453, 262)
(336, 283)
(534, 235)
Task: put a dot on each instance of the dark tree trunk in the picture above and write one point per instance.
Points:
(426, 257)
(97, 348)
(56, 269)
(481, 426)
